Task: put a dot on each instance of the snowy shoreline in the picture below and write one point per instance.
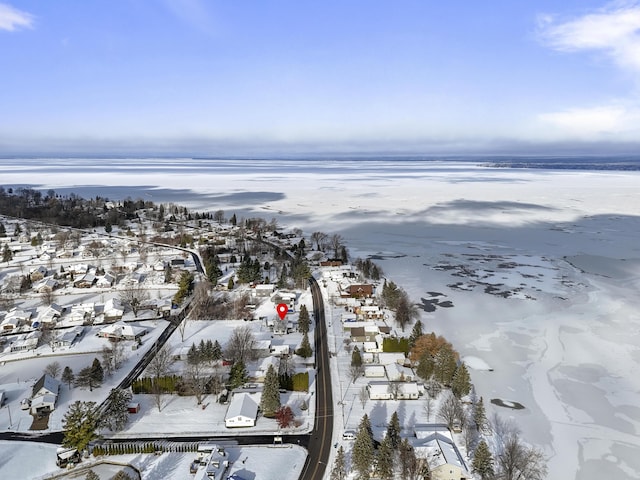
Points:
(567, 346)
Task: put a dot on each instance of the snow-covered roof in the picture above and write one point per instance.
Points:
(242, 405)
(45, 385)
(121, 329)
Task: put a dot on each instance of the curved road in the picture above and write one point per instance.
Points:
(320, 439)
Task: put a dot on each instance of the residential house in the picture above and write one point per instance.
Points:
(260, 373)
(380, 390)
(38, 273)
(406, 390)
(213, 466)
(44, 394)
(359, 290)
(264, 290)
(113, 310)
(374, 371)
(105, 281)
(26, 341)
(14, 318)
(85, 281)
(387, 358)
(399, 373)
(242, 411)
(82, 313)
(436, 444)
(122, 331)
(46, 285)
(67, 338)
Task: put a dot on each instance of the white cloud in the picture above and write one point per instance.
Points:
(601, 121)
(614, 30)
(12, 19)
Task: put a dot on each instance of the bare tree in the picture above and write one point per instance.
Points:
(53, 369)
(363, 396)
(6, 302)
(517, 461)
(428, 407)
(182, 327)
(107, 360)
(118, 354)
(47, 335)
(355, 372)
(133, 296)
(394, 389)
(196, 379)
(241, 345)
(95, 248)
(48, 296)
(218, 216)
(450, 410)
(336, 243)
(319, 238)
(161, 362)
(158, 368)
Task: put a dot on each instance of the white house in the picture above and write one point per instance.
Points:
(67, 337)
(407, 391)
(379, 390)
(27, 341)
(213, 464)
(122, 331)
(399, 373)
(445, 460)
(264, 290)
(44, 394)
(242, 411)
(374, 371)
(113, 309)
(388, 358)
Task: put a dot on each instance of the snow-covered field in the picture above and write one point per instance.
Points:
(554, 313)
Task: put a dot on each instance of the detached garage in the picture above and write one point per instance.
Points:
(242, 411)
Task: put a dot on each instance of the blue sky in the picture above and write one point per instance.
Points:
(235, 77)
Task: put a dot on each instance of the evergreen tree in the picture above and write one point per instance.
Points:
(193, 356)
(461, 382)
(305, 350)
(107, 227)
(445, 365)
(415, 333)
(116, 413)
(339, 471)
(479, 414)
(375, 272)
(393, 431)
(216, 352)
(426, 367)
(79, 425)
(303, 320)
(363, 455)
(97, 373)
(67, 376)
(356, 358)
(85, 378)
(230, 284)
(234, 220)
(238, 375)
(384, 460)
(270, 400)
(408, 459)
(7, 254)
(3, 230)
(483, 461)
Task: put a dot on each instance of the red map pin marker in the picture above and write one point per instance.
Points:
(282, 310)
